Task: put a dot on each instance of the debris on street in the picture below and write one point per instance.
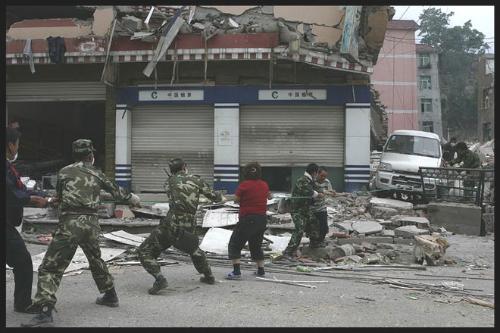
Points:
(79, 260)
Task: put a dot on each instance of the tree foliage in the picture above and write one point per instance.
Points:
(458, 48)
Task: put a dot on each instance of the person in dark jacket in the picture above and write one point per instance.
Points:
(252, 194)
(17, 196)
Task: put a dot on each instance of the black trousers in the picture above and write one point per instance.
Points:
(322, 218)
(249, 228)
(19, 259)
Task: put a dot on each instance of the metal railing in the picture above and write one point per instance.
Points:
(472, 186)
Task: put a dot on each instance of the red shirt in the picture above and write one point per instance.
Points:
(253, 197)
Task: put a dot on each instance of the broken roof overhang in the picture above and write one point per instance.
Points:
(188, 47)
(205, 34)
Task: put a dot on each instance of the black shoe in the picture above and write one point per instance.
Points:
(208, 279)
(43, 319)
(109, 299)
(160, 283)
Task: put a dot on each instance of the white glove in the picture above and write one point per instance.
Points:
(134, 200)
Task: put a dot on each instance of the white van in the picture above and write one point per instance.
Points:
(404, 152)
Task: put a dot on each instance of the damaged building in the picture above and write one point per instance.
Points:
(218, 86)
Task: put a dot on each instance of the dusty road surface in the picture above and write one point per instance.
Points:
(251, 303)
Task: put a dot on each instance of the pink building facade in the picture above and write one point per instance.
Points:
(395, 75)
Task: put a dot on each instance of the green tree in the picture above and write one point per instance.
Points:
(458, 48)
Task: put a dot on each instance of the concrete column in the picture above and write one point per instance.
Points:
(123, 146)
(226, 146)
(357, 146)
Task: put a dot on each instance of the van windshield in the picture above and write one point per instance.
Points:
(413, 145)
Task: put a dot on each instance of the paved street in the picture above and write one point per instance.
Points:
(252, 303)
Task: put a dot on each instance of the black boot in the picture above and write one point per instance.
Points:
(43, 319)
(160, 283)
(208, 277)
(109, 299)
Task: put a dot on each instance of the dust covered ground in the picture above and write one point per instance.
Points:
(341, 302)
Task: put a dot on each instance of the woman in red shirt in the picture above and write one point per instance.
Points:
(252, 194)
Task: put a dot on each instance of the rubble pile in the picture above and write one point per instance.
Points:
(486, 152)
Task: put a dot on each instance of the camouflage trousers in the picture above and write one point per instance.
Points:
(301, 220)
(72, 231)
(317, 228)
(174, 230)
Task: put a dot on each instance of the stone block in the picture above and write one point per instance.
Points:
(409, 231)
(346, 226)
(379, 212)
(391, 203)
(404, 241)
(366, 227)
(456, 217)
(403, 220)
(388, 233)
(372, 239)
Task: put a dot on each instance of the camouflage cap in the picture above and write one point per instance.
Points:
(82, 146)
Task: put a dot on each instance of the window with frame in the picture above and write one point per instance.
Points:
(424, 60)
(425, 82)
(486, 99)
(428, 126)
(426, 105)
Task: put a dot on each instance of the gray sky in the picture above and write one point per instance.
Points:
(482, 18)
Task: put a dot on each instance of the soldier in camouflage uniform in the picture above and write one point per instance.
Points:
(318, 227)
(469, 160)
(302, 194)
(78, 188)
(178, 227)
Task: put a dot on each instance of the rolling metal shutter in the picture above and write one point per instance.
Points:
(292, 135)
(160, 133)
(55, 91)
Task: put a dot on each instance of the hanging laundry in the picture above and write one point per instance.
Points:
(56, 49)
(28, 55)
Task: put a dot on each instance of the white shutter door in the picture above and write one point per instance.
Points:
(292, 135)
(160, 133)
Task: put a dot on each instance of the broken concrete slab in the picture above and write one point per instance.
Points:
(379, 212)
(456, 217)
(371, 239)
(346, 226)
(419, 222)
(388, 233)
(216, 241)
(404, 241)
(391, 203)
(409, 231)
(220, 217)
(366, 227)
